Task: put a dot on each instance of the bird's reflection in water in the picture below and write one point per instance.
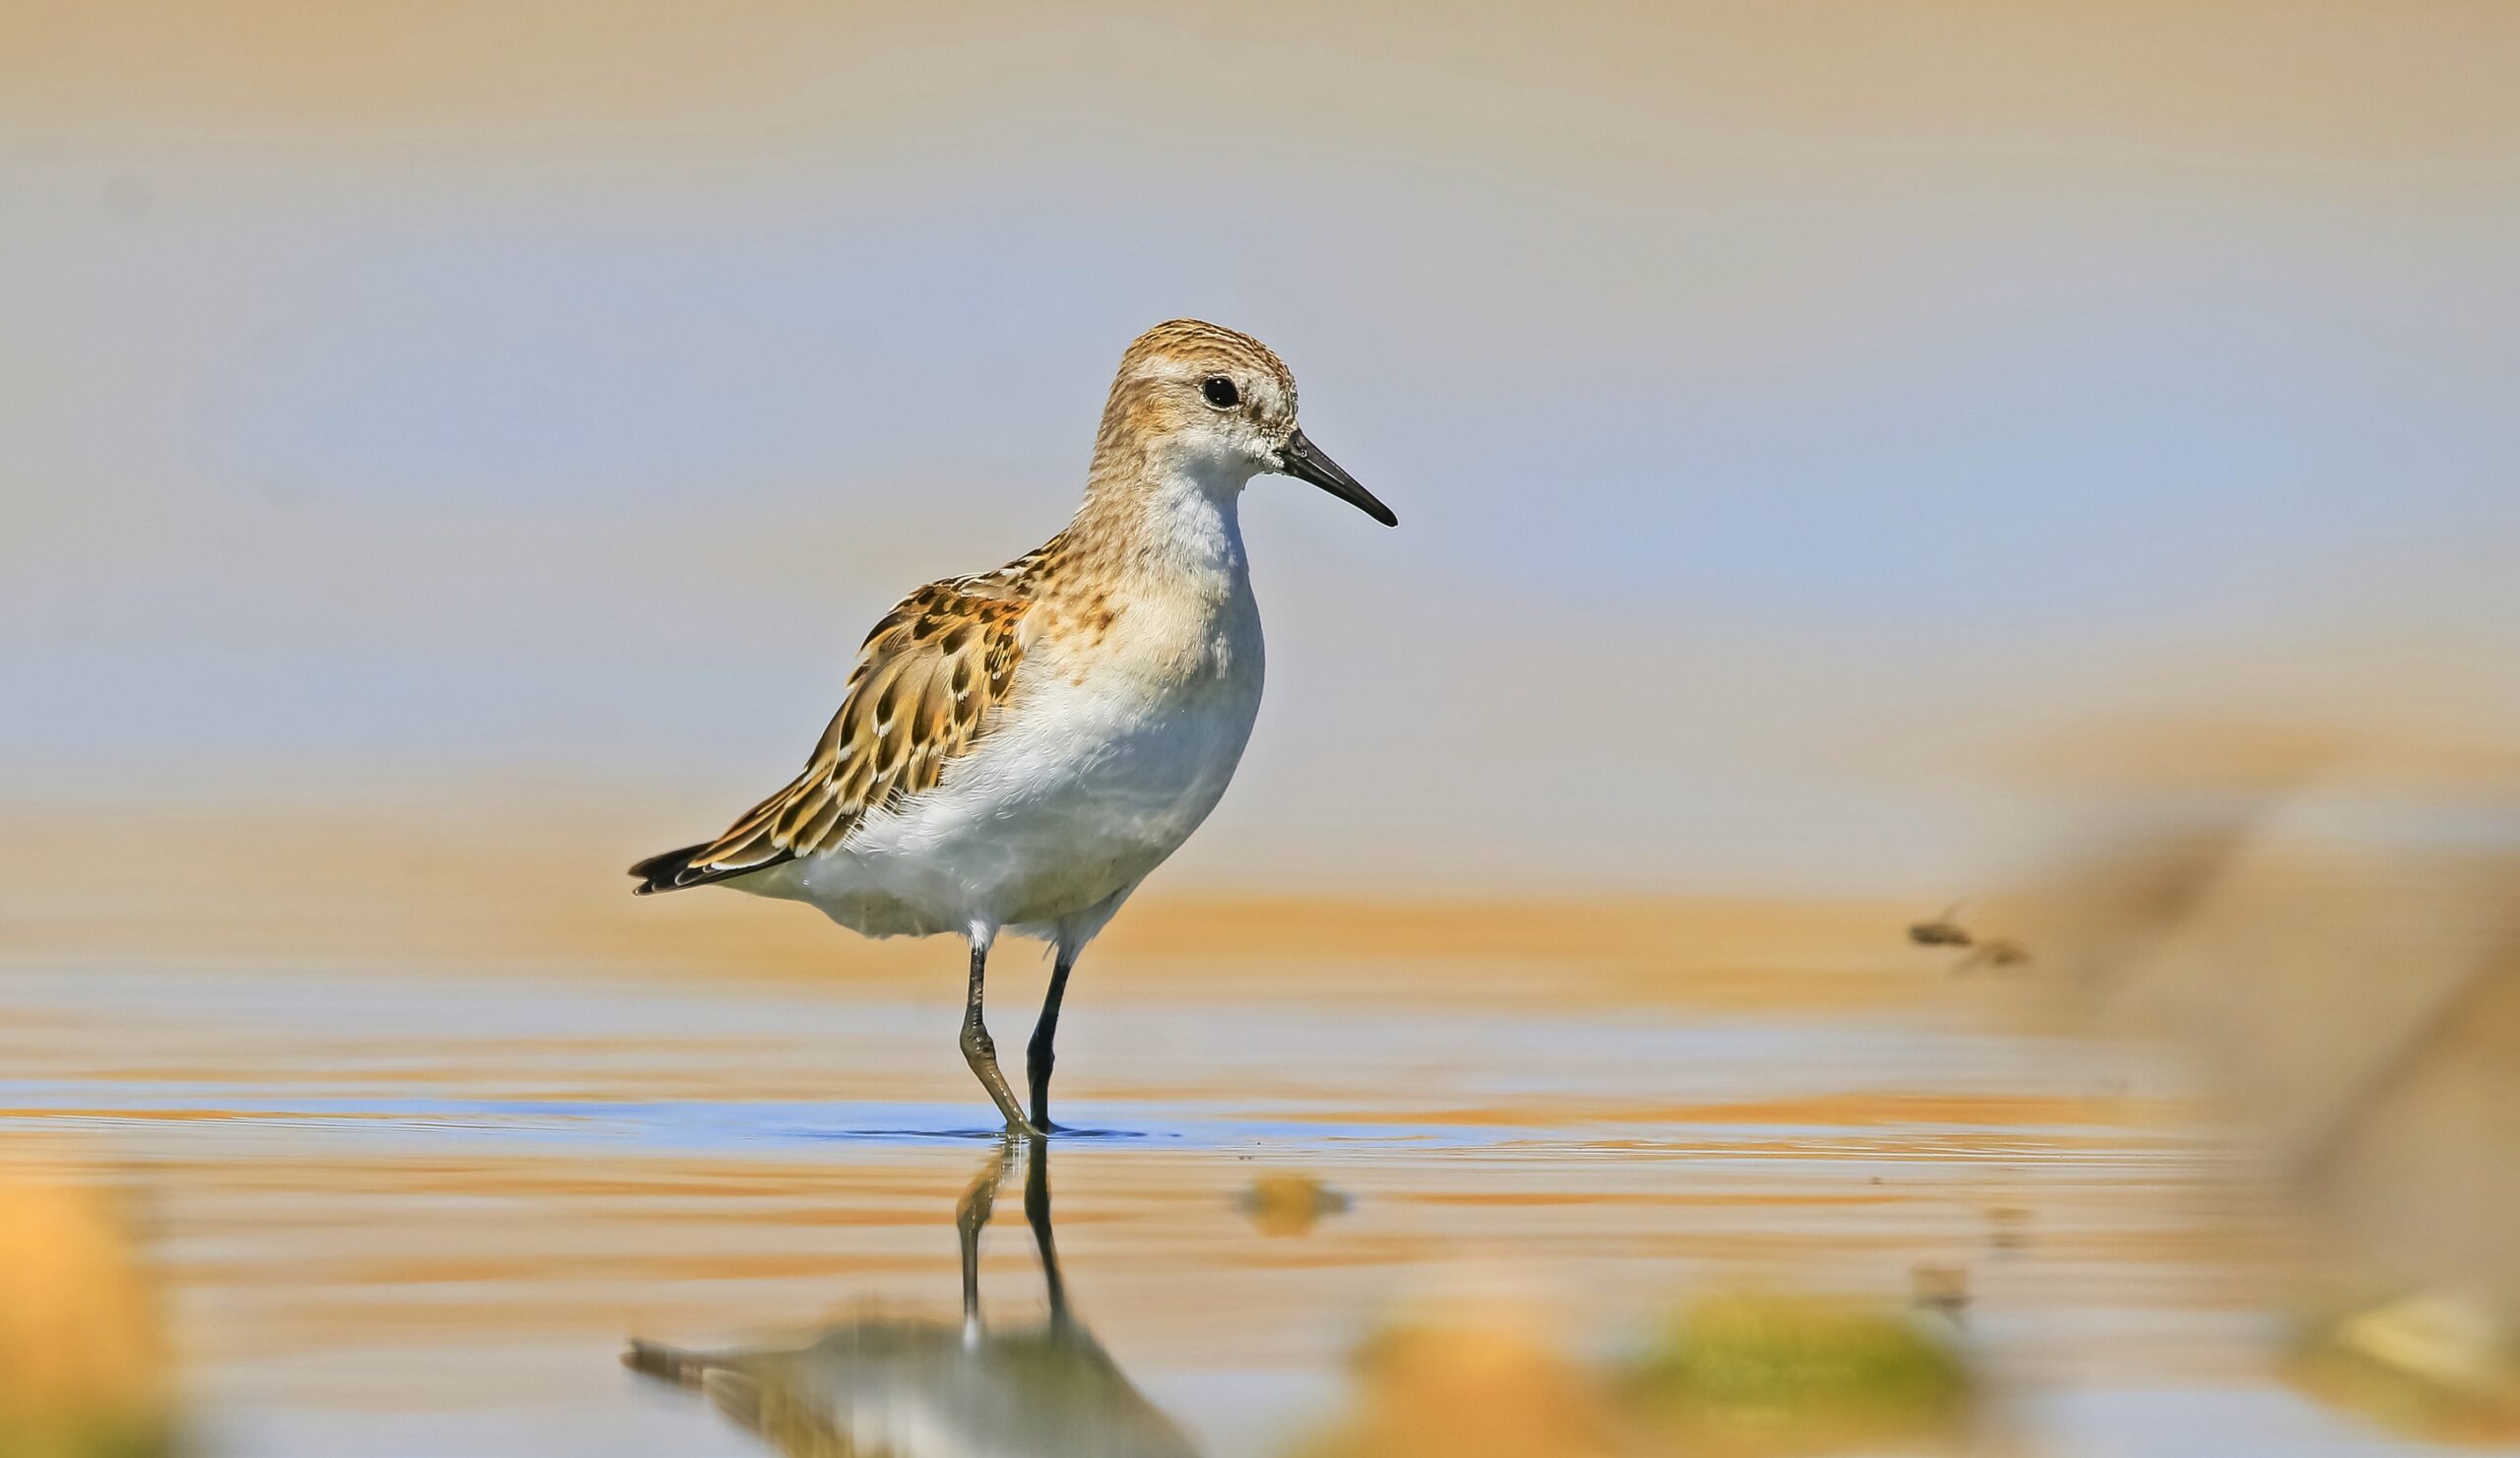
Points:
(906, 1388)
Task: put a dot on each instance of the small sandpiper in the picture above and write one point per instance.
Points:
(1018, 749)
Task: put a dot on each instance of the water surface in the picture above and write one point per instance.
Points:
(421, 1211)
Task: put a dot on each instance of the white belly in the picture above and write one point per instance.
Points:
(1059, 811)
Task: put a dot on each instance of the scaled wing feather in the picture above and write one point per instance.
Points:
(922, 693)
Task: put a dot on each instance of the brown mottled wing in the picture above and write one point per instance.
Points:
(920, 695)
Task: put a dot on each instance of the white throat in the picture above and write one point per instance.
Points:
(1187, 520)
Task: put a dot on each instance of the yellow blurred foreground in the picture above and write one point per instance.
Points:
(84, 1368)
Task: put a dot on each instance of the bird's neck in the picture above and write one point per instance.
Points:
(1168, 523)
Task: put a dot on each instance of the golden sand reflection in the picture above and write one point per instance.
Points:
(450, 1176)
(313, 1255)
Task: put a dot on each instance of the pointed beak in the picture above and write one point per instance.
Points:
(1303, 461)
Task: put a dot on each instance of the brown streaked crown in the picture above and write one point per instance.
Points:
(1198, 341)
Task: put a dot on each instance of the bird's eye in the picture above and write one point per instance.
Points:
(1221, 393)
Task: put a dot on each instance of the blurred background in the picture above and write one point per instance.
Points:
(1854, 458)
(429, 402)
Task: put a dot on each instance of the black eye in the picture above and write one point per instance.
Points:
(1221, 391)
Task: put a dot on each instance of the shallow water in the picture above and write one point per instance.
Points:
(422, 1213)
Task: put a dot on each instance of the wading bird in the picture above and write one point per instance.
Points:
(1018, 749)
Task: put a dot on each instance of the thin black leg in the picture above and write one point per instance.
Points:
(1036, 1214)
(1039, 1056)
(981, 1053)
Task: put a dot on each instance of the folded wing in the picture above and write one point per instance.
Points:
(920, 696)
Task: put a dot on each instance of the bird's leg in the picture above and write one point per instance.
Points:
(1036, 1214)
(970, 1213)
(981, 1053)
(1039, 1056)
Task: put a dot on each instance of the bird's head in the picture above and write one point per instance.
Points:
(1201, 401)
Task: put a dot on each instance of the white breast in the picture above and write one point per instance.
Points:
(1109, 755)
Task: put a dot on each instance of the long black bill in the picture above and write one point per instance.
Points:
(1303, 461)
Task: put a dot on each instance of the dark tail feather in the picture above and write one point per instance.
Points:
(737, 1392)
(676, 869)
(666, 1364)
(664, 872)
